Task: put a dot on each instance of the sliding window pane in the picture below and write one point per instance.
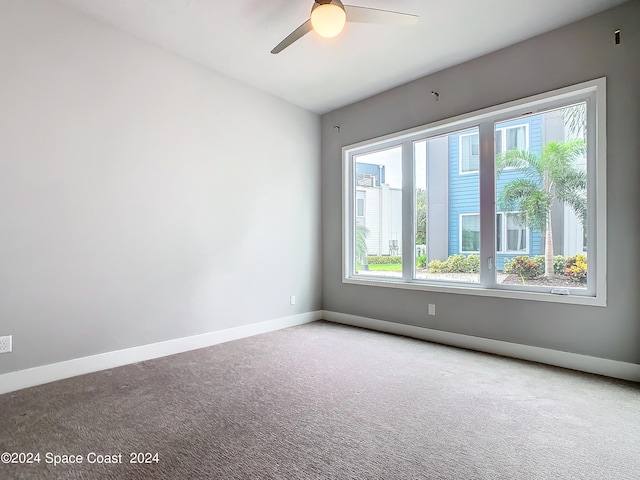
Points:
(447, 208)
(541, 172)
(378, 213)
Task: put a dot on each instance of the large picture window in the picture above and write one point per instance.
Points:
(530, 223)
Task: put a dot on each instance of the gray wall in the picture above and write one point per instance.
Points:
(142, 197)
(570, 55)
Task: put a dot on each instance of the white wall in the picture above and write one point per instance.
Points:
(142, 197)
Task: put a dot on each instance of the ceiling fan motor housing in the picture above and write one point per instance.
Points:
(328, 17)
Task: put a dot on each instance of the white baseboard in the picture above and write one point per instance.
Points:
(573, 361)
(31, 377)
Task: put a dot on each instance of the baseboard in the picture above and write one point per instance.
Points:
(573, 361)
(31, 377)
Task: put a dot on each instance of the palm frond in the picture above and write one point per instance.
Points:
(361, 242)
(559, 158)
(531, 203)
(575, 119)
(520, 159)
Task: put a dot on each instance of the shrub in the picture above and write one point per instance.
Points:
(506, 264)
(421, 261)
(539, 259)
(558, 264)
(523, 266)
(456, 264)
(473, 263)
(576, 268)
(384, 259)
(437, 266)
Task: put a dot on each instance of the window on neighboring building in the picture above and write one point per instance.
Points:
(360, 203)
(511, 235)
(539, 192)
(469, 233)
(469, 152)
(515, 137)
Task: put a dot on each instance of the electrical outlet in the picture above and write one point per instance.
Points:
(432, 309)
(5, 344)
(292, 299)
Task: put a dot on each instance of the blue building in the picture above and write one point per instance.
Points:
(512, 239)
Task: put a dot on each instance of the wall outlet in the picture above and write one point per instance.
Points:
(5, 344)
(432, 309)
(292, 299)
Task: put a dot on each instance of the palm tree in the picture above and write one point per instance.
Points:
(361, 246)
(547, 177)
(575, 119)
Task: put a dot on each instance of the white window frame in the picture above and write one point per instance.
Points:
(460, 137)
(592, 92)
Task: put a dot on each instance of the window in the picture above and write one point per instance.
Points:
(511, 235)
(469, 233)
(469, 152)
(515, 137)
(377, 240)
(360, 203)
(430, 225)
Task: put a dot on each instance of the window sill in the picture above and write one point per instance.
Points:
(479, 290)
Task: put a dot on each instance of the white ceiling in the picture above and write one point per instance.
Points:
(235, 37)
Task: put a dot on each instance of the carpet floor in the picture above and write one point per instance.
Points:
(325, 401)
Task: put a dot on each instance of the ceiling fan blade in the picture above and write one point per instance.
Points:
(373, 15)
(297, 34)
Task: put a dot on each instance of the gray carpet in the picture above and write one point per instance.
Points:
(330, 402)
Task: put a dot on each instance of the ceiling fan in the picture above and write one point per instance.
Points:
(329, 16)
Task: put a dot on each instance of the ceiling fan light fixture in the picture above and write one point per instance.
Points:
(328, 19)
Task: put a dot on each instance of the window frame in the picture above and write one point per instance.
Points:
(592, 92)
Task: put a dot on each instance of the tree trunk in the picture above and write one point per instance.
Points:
(548, 251)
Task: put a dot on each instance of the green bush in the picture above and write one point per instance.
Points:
(523, 266)
(473, 263)
(539, 259)
(421, 261)
(576, 268)
(506, 264)
(558, 264)
(437, 266)
(456, 264)
(384, 259)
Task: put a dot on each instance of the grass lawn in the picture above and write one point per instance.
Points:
(387, 267)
